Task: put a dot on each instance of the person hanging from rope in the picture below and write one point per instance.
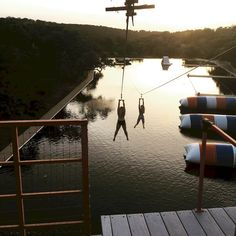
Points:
(141, 110)
(121, 119)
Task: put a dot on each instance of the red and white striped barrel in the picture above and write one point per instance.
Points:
(194, 121)
(225, 104)
(217, 154)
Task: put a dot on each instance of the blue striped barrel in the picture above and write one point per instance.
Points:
(194, 121)
(225, 104)
(217, 154)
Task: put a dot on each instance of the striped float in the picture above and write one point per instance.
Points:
(194, 122)
(215, 104)
(217, 154)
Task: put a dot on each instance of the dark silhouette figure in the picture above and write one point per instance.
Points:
(141, 110)
(121, 119)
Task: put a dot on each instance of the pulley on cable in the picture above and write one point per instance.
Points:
(129, 7)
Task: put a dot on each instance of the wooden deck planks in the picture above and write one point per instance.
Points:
(190, 223)
(106, 226)
(120, 225)
(223, 220)
(212, 222)
(138, 225)
(155, 224)
(208, 223)
(231, 211)
(173, 224)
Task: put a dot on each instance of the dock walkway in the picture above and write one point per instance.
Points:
(6, 153)
(212, 222)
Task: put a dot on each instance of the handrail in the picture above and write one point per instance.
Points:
(208, 125)
(54, 122)
(22, 226)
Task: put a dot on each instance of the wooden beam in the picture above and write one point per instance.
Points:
(125, 8)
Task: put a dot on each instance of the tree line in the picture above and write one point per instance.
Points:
(39, 60)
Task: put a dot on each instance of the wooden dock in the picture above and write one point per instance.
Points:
(212, 222)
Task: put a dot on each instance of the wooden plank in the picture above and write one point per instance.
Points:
(155, 224)
(208, 223)
(120, 226)
(138, 225)
(106, 226)
(223, 220)
(173, 224)
(231, 211)
(190, 223)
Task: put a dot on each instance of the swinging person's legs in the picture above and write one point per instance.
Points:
(143, 121)
(125, 131)
(118, 125)
(137, 122)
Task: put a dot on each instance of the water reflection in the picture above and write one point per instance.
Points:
(211, 135)
(30, 151)
(91, 109)
(227, 86)
(212, 172)
(97, 76)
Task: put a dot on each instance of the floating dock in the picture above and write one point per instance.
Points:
(212, 222)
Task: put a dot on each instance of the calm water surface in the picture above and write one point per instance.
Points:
(146, 173)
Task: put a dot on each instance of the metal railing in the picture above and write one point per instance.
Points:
(22, 226)
(206, 126)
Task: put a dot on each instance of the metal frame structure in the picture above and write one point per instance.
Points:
(22, 226)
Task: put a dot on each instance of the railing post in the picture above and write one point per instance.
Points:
(19, 191)
(86, 205)
(205, 125)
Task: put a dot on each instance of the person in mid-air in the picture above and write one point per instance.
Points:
(121, 119)
(141, 110)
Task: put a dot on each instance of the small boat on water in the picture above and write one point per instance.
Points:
(165, 62)
(208, 104)
(193, 122)
(217, 154)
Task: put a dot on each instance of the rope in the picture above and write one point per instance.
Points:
(201, 64)
(124, 59)
(133, 84)
(122, 82)
(191, 82)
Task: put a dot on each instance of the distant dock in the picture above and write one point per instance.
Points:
(211, 222)
(6, 153)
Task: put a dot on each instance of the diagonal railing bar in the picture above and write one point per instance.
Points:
(206, 126)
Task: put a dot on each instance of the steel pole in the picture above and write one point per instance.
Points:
(205, 125)
(86, 204)
(19, 188)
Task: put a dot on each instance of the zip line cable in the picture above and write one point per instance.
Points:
(201, 64)
(122, 82)
(191, 82)
(124, 58)
(138, 91)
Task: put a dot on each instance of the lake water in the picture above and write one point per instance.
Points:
(145, 174)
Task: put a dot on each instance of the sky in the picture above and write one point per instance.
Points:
(168, 15)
